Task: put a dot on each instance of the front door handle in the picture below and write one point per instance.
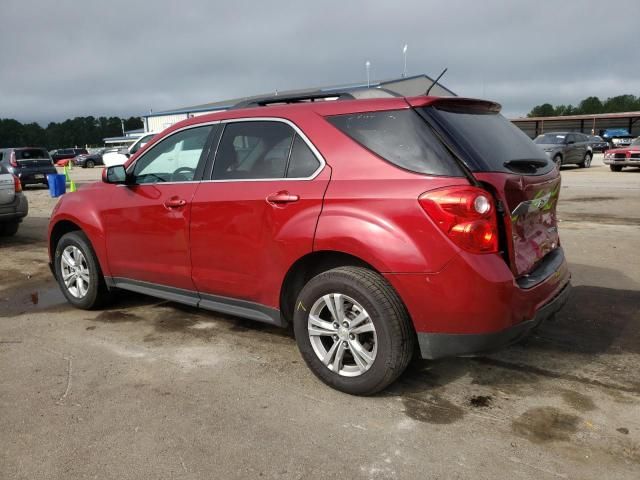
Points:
(282, 197)
(175, 202)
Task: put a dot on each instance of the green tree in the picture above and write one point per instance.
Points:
(544, 110)
(590, 105)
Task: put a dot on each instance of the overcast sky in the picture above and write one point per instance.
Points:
(60, 59)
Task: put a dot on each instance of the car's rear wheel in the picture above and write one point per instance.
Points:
(9, 229)
(615, 168)
(586, 162)
(353, 330)
(78, 272)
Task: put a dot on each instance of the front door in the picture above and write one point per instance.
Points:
(147, 222)
(258, 213)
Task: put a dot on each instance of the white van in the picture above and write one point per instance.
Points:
(120, 156)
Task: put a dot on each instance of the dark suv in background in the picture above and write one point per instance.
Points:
(65, 153)
(31, 165)
(566, 148)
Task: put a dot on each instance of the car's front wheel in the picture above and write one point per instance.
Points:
(558, 161)
(78, 272)
(89, 164)
(353, 330)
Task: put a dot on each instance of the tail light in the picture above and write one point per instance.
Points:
(467, 215)
(17, 185)
(12, 159)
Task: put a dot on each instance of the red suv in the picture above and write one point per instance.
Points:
(370, 224)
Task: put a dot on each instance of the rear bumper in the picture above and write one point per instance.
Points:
(30, 176)
(440, 345)
(475, 303)
(16, 210)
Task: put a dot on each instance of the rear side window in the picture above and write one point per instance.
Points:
(303, 162)
(253, 150)
(29, 153)
(400, 137)
(486, 139)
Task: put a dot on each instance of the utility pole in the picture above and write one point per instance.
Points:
(404, 55)
(367, 65)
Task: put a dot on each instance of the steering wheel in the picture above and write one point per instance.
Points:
(182, 171)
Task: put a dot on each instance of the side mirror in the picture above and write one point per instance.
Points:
(114, 174)
(570, 142)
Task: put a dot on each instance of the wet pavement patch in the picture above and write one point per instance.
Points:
(47, 297)
(578, 401)
(481, 401)
(116, 316)
(622, 430)
(432, 409)
(546, 424)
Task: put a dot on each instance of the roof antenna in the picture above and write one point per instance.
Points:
(435, 81)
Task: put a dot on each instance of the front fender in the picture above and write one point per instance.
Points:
(79, 209)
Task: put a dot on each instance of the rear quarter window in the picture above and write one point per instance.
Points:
(400, 137)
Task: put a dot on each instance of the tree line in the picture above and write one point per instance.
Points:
(74, 132)
(590, 105)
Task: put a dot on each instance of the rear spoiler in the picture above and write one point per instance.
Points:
(456, 104)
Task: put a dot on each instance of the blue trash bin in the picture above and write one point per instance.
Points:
(57, 184)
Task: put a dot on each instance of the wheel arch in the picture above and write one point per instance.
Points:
(308, 266)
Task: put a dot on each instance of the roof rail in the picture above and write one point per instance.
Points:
(308, 97)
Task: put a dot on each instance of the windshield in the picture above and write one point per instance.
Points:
(141, 143)
(550, 139)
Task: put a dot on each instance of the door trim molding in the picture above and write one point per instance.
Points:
(216, 303)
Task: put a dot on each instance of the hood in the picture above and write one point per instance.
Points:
(631, 148)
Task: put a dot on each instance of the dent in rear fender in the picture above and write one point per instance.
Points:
(86, 217)
(407, 245)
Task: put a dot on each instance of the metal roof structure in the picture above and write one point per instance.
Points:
(590, 124)
(389, 84)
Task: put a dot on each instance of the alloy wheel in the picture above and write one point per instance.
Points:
(75, 271)
(342, 335)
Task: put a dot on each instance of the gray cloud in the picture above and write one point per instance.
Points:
(67, 58)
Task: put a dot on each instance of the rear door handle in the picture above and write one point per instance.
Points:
(282, 197)
(175, 202)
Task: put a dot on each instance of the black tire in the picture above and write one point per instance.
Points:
(97, 294)
(395, 334)
(558, 161)
(9, 229)
(89, 164)
(586, 161)
(615, 168)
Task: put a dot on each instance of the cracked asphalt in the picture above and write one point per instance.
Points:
(150, 389)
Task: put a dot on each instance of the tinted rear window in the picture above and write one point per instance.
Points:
(29, 153)
(487, 140)
(400, 137)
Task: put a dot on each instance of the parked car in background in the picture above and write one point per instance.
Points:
(618, 158)
(120, 156)
(67, 153)
(13, 203)
(616, 137)
(31, 165)
(371, 225)
(89, 160)
(598, 144)
(566, 148)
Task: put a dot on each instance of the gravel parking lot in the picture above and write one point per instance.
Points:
(152, 389)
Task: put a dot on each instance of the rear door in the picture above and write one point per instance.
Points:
(509, 164)
(258, 213)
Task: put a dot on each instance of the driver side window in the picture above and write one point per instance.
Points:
(173, 159)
